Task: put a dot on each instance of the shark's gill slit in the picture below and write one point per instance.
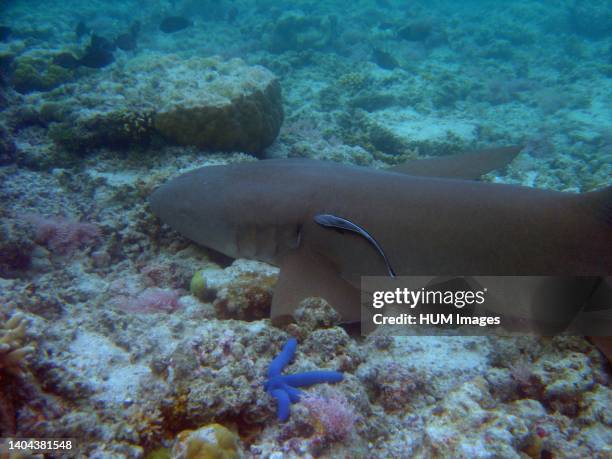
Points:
(298, 235)
(342, 224)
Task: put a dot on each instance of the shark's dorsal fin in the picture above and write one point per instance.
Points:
(304, 274)
(468, 166)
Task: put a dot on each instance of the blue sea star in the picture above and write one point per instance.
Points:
(283, 387)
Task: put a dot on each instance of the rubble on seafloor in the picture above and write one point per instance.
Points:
(211, 103)
(150, 384)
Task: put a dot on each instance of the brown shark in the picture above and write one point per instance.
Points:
(326, 225)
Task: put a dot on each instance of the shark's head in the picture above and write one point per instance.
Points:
(227, 209)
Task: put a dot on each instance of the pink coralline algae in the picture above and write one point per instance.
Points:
(152, 300)
(61, 235)
(332, 414)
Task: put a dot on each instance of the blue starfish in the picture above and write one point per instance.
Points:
(283, 387)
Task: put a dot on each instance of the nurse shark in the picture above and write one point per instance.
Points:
(325, 225)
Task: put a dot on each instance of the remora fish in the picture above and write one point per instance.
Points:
(283, 212)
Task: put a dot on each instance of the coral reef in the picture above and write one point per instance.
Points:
(120, 129)
(62, 235)
(233, 108)
(394, 385)
(36, 75)
(241, 291)
(333, 415)
(316, 313)
(211, 103)
(590, 20)
(13, 351)
(151, 300)
(16, 249)
(210, 441)
(7, 147)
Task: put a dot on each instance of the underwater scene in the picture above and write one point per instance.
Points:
(193, 192)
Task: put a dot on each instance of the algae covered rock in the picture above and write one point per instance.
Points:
(228, 106)
(37, 75)
(118, 129)
(590, 20)
(397, 131)
(7, 147)
(241, 291)
(209, 103)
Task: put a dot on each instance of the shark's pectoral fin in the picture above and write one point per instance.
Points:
(604, 344)
(468, 166)
(304, 274)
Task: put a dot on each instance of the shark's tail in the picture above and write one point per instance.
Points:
(594, 221)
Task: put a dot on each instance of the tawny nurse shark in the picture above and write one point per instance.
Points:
(326, 225)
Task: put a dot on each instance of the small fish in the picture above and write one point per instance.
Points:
(415, 31)
(384, 59)
(81, 29)
(232, 14)
(98, 53)
(173, 24)
(387, 25)
(99, 42)
(127, 41)
(135, 28)
(66, 60)
(96, 58)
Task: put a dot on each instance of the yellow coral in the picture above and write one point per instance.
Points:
(198, 285)
(212, 441)
(13, 353)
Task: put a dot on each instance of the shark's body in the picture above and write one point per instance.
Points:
(266, 210)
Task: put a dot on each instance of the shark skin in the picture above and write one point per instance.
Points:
(266, 210)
